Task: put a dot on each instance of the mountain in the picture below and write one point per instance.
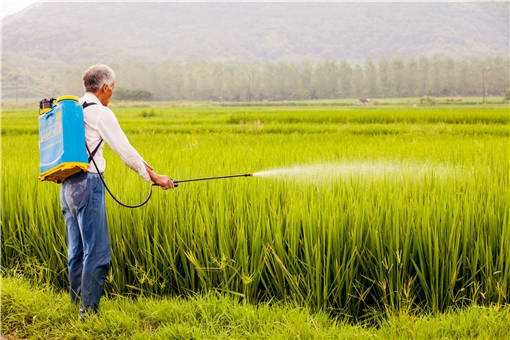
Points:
(50, 42)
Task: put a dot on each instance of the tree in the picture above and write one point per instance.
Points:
(127, 94)
(384, 78)
(424, 77)
(397, 78)
(358, 81)
(410, 81)
(345, 80)
(371, 82)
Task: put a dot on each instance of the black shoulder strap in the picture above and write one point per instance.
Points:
(93, 153)
(85, 104)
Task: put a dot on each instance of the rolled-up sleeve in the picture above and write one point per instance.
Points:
(112, 133)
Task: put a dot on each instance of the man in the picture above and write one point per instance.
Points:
(82, 195)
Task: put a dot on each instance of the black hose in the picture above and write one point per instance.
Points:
(111, 194)
(176, 182)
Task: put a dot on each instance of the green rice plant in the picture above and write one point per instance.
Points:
(432, 235)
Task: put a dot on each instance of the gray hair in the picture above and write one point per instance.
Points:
(96, 76)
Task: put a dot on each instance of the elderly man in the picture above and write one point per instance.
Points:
(82, 195)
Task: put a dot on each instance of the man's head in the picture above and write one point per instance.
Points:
(100, 80)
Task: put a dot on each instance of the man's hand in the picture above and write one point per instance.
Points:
(163, 181)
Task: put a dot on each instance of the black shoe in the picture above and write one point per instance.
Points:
(86, 311)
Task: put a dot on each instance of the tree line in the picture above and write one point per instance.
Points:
(327, 79)
(280, 80)
(128, 94)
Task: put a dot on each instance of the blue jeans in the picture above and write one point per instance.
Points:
(88, 256)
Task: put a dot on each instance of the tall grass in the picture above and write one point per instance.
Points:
(30, 311)
(353, 246)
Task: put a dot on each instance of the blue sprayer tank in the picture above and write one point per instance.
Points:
(62, 139)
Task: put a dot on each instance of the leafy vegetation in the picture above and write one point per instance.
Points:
(126, 94)
(425, 238)
(157, 32)
(250, 51)
(254, 81)
(29, 311)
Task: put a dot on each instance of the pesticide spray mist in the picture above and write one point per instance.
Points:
(360, 169)
(363, 170)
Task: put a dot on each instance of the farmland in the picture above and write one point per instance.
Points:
(431, 235)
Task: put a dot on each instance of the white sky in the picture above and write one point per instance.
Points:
(8, 7)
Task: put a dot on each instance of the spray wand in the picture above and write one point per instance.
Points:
(177, 181)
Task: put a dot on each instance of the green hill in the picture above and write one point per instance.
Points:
(47, 46)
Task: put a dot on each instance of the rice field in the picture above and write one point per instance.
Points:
(356, 211)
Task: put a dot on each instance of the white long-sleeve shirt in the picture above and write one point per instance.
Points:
(101, 123)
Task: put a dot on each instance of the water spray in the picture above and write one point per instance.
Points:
(319, 172)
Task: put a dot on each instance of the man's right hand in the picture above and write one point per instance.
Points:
(163, 181)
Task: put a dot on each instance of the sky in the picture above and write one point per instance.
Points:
(8, 7)
(12, 6)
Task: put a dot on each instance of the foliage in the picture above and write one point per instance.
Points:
(148, 113)
(260, 51)
(29, 311)
(426, 240)
(281, 80)
(127, 94)
(427, 100)
(158, 32)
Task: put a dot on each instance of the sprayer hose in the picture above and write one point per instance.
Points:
(113, 196)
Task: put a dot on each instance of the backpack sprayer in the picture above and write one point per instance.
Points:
(62, 148)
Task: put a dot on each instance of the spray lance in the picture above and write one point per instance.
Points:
(209, 178)
(176, 183)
